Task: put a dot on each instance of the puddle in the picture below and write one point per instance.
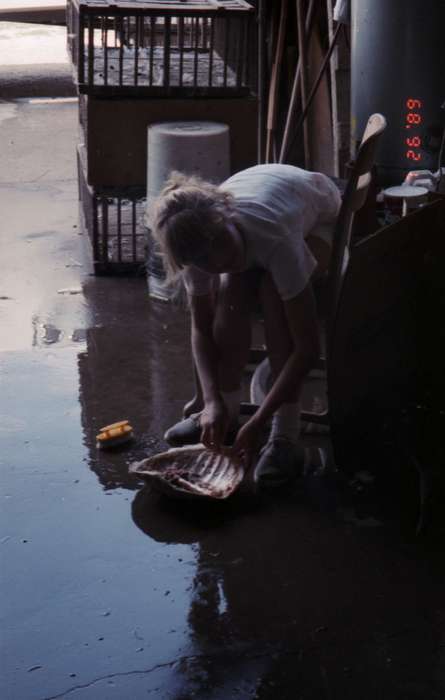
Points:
(194, 589)
(79, 335)
(51, 334)
(46, 333)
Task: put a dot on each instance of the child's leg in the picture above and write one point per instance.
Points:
(322, 252)
(279, 342)
(286, 420)
(232, 332)
(282, 458)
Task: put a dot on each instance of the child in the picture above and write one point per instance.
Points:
(261, 236)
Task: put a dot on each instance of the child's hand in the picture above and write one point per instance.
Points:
(246, 443)
(214, 423)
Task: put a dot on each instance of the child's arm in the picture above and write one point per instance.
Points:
(303, 325)
(214, 418)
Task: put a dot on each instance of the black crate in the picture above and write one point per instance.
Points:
(162, 49)
(113, 218)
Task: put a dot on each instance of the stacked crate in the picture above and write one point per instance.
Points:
(137, 63)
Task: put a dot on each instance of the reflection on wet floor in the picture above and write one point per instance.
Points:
(135, 366)
(272, 588)
(275, 578)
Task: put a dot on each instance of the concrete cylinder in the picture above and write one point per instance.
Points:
(195, 147)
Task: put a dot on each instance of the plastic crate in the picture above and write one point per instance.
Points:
(164, 49)
(113, 218)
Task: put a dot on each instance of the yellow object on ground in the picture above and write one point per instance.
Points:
(114, 434)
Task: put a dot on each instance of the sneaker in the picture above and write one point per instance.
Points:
(188, 432)
(280, 462)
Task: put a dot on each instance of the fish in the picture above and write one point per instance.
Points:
(192, 472)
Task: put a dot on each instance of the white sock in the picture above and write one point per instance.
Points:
(232, 400)
(286, 422)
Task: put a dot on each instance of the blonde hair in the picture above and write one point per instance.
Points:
(187, 215)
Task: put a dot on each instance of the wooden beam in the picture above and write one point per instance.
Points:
(303, 56)
(274, 85)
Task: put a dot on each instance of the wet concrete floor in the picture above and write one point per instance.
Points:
(107, 590)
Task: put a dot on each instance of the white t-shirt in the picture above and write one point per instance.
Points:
(277, 207)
